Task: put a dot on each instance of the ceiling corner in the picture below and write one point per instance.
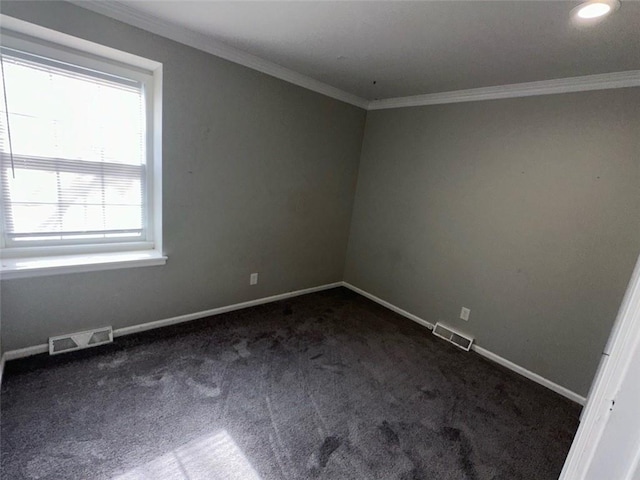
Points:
(130, 16)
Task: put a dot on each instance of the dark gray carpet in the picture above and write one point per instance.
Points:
(325, 386)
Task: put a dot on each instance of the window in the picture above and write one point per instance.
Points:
(78, 171)
(79, 151)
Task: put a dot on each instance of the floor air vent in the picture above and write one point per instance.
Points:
(459, 340)
(80, 340)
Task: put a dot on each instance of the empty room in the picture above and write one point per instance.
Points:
(320, 240)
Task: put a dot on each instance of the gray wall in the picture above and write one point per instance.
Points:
(526, 211)
(259, 176)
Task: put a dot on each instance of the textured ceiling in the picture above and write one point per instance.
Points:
(394, 49)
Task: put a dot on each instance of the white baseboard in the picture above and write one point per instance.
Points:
(119, 332)
(565, 392)
(388, 305)
(44, 348)
(26, 352)
(2, 362)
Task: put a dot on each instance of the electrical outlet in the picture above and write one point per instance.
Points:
(464, 313)
(253, 279)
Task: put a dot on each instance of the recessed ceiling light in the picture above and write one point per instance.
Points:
(595, 9)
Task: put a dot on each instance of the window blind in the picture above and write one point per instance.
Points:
(78, 143)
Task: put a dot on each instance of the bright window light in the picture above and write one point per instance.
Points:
(209, 458)
(78, 144)
(80, 155)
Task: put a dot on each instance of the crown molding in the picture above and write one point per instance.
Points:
(150, 23)
(545, 87)
(119, 11)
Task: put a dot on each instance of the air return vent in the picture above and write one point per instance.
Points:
(80, 340)
(459, 340)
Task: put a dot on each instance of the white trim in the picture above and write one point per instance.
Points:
(545, 87)
(79, 249)
(565, 392)
(22, 262)
(200, 41)
(102, 52)
(614, 365)
(12, 268)
(153, 24)
(390, 306)
(26, 352)
(34, 350)
(3, 360)
(217, 311)
(119, 332)
(155, 166)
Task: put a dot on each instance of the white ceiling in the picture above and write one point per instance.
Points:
(412, 48)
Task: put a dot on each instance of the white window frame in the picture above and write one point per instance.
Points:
(37, 260)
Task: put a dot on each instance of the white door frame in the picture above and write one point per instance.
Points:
(623, 343)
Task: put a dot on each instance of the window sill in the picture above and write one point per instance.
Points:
(12, 268)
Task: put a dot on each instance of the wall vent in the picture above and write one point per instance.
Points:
(458, 339)
(80, 340)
